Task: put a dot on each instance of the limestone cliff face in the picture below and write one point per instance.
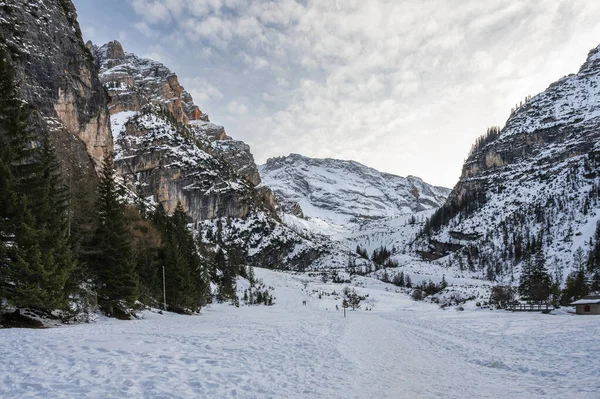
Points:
(167, 149)
(58, 77)
(161, 160)
(134, 82)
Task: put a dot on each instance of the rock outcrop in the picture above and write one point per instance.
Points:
(57, 76)
(161, 160)
(134, 82)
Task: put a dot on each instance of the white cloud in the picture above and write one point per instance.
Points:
(202, 91)
(143, 28)
(237, 108)
(405, 86)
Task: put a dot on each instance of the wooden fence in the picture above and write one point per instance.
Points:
(530, 307)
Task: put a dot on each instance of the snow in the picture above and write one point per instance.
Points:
(400, 349)
(118, 121)
(586, 302)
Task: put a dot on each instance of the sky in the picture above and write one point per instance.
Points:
(404, 86)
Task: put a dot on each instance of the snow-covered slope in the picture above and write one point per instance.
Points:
(533, 185)
(346, 192)
(398, 349)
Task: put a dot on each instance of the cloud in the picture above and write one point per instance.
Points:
(403, 86)
(237, 108)
(143, 28)
(201, 90)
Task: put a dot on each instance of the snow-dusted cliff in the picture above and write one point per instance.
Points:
(341, 192)
(531, 186)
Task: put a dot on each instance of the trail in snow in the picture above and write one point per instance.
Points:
(400, 349)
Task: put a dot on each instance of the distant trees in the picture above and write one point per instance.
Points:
(535, 283)
(380, 258)
(502, 295)
(186, 273)
(490, 135)
(362, 252)
(470, 202)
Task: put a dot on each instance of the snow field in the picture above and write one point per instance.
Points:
(399, 349)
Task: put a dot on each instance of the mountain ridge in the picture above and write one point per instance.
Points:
(324, 186)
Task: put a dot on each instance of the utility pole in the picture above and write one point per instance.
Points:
(164, 291)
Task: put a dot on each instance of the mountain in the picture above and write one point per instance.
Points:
(530, 186)
(166, 146)
(57, 77)
(346, 193)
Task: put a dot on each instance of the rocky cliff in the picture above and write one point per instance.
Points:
(530, 186)
(166, 148)
(57, 76)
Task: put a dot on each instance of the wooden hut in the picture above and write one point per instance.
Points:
(588, 305)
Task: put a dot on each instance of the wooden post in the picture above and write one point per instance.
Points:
(164, 290)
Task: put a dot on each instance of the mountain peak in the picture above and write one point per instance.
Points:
(114, 50)
(154, 83)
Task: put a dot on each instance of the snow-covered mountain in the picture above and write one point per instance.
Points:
(532, 185)
(344, 193)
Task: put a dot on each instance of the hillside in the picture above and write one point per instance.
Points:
(530, 186)
(168, 152)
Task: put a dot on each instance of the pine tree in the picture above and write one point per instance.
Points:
(112, 262)
(49, 210)
(536, 282)
(575, 287)
(187, 278)
(147, 244)
(35, 253)
(192, 276)
(525, 280)
(443, 283)
(226, 280)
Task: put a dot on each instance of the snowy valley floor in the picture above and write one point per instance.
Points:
(400, 349)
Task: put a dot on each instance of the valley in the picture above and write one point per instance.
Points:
(148, 254)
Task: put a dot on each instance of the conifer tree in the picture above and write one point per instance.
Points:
(146, 243)
(47, 280)
(525, 279)
(226, 280)
(112, 260)
(187, 280)
(575, 287)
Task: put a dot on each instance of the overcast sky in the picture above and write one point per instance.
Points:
(404, 86)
